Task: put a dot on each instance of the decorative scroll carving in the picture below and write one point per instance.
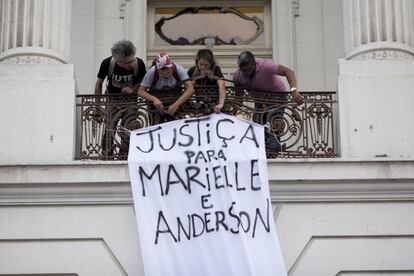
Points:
(217, 41)
(29, 59)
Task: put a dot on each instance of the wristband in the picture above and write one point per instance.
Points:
(293, 89)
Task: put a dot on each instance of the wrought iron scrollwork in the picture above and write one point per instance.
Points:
(291, 131)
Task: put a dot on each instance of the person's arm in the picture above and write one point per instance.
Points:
(130, 90)
(98, 86)
(189, 91)
(222, 95)
(142, 92)
(290, 76)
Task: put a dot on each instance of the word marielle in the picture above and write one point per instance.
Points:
(197, 132)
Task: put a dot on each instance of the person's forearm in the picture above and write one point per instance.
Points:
(185, 96)
(290, 76)
(98, 89)
(136, 87)
(144, 94)
(222, 91)
(189, 91)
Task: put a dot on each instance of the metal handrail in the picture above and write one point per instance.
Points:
(306, 131)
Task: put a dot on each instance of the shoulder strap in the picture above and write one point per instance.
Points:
(156, 77)
(136, 68)
(111, 67)
(174, 74)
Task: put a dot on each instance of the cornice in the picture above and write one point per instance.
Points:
(291, 181)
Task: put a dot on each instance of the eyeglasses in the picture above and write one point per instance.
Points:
(126, 62)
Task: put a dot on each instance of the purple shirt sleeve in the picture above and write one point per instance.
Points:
(236, 77)
(270, 66)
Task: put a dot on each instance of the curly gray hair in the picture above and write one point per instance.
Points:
(123, 48)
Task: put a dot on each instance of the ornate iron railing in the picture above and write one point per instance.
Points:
(292, 131)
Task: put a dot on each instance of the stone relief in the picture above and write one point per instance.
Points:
(382, 55)
(29, 59)
(210, 39)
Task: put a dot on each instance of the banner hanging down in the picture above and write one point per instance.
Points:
(201, 198)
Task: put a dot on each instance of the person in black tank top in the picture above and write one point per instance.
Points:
(207, 73)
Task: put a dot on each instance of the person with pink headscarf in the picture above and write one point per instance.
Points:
(165, 75)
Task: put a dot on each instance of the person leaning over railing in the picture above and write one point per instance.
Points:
(165, 75)
(264, 74)
(124, 73)
(207, 73)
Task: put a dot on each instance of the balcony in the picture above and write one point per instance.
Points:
(306, 131)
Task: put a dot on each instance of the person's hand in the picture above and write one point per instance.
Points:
(172, 108)
(297, 98)
(158, 104)
(218, 107)
(127, 91)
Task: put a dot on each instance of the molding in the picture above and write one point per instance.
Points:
(335, 191)
(66, 194)
(100, 182)
(345, 244)
(31, 55)
(57, 249)
(341, 180)
(381, 51)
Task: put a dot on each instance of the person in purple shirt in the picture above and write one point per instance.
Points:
(264, 74)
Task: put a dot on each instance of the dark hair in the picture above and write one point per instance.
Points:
(245, 58)
(206, 54)
(123, 48)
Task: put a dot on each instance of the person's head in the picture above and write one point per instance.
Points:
(164, 65)
(204, 60)
(123, 52)
(246, 63)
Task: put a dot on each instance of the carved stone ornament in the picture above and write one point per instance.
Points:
(210, 39)
(29, 59)
(382, 55)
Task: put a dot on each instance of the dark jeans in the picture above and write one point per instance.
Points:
(272, 116)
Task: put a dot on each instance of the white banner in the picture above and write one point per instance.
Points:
(201, 198)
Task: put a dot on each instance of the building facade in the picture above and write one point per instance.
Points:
(349, 215)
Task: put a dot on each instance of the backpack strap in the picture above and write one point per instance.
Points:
(174, 74)
(135, 67)
(112, 64)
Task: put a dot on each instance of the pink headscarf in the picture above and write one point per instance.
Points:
(163, 60)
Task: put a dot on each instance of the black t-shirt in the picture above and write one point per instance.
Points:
(121, 77)
(206, 81)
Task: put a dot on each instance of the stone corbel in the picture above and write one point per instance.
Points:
(122, 8)
(295, 7)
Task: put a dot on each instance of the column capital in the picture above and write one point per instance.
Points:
(380, 29)
(35, 32)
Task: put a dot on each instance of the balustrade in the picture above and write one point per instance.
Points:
(292, 131)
